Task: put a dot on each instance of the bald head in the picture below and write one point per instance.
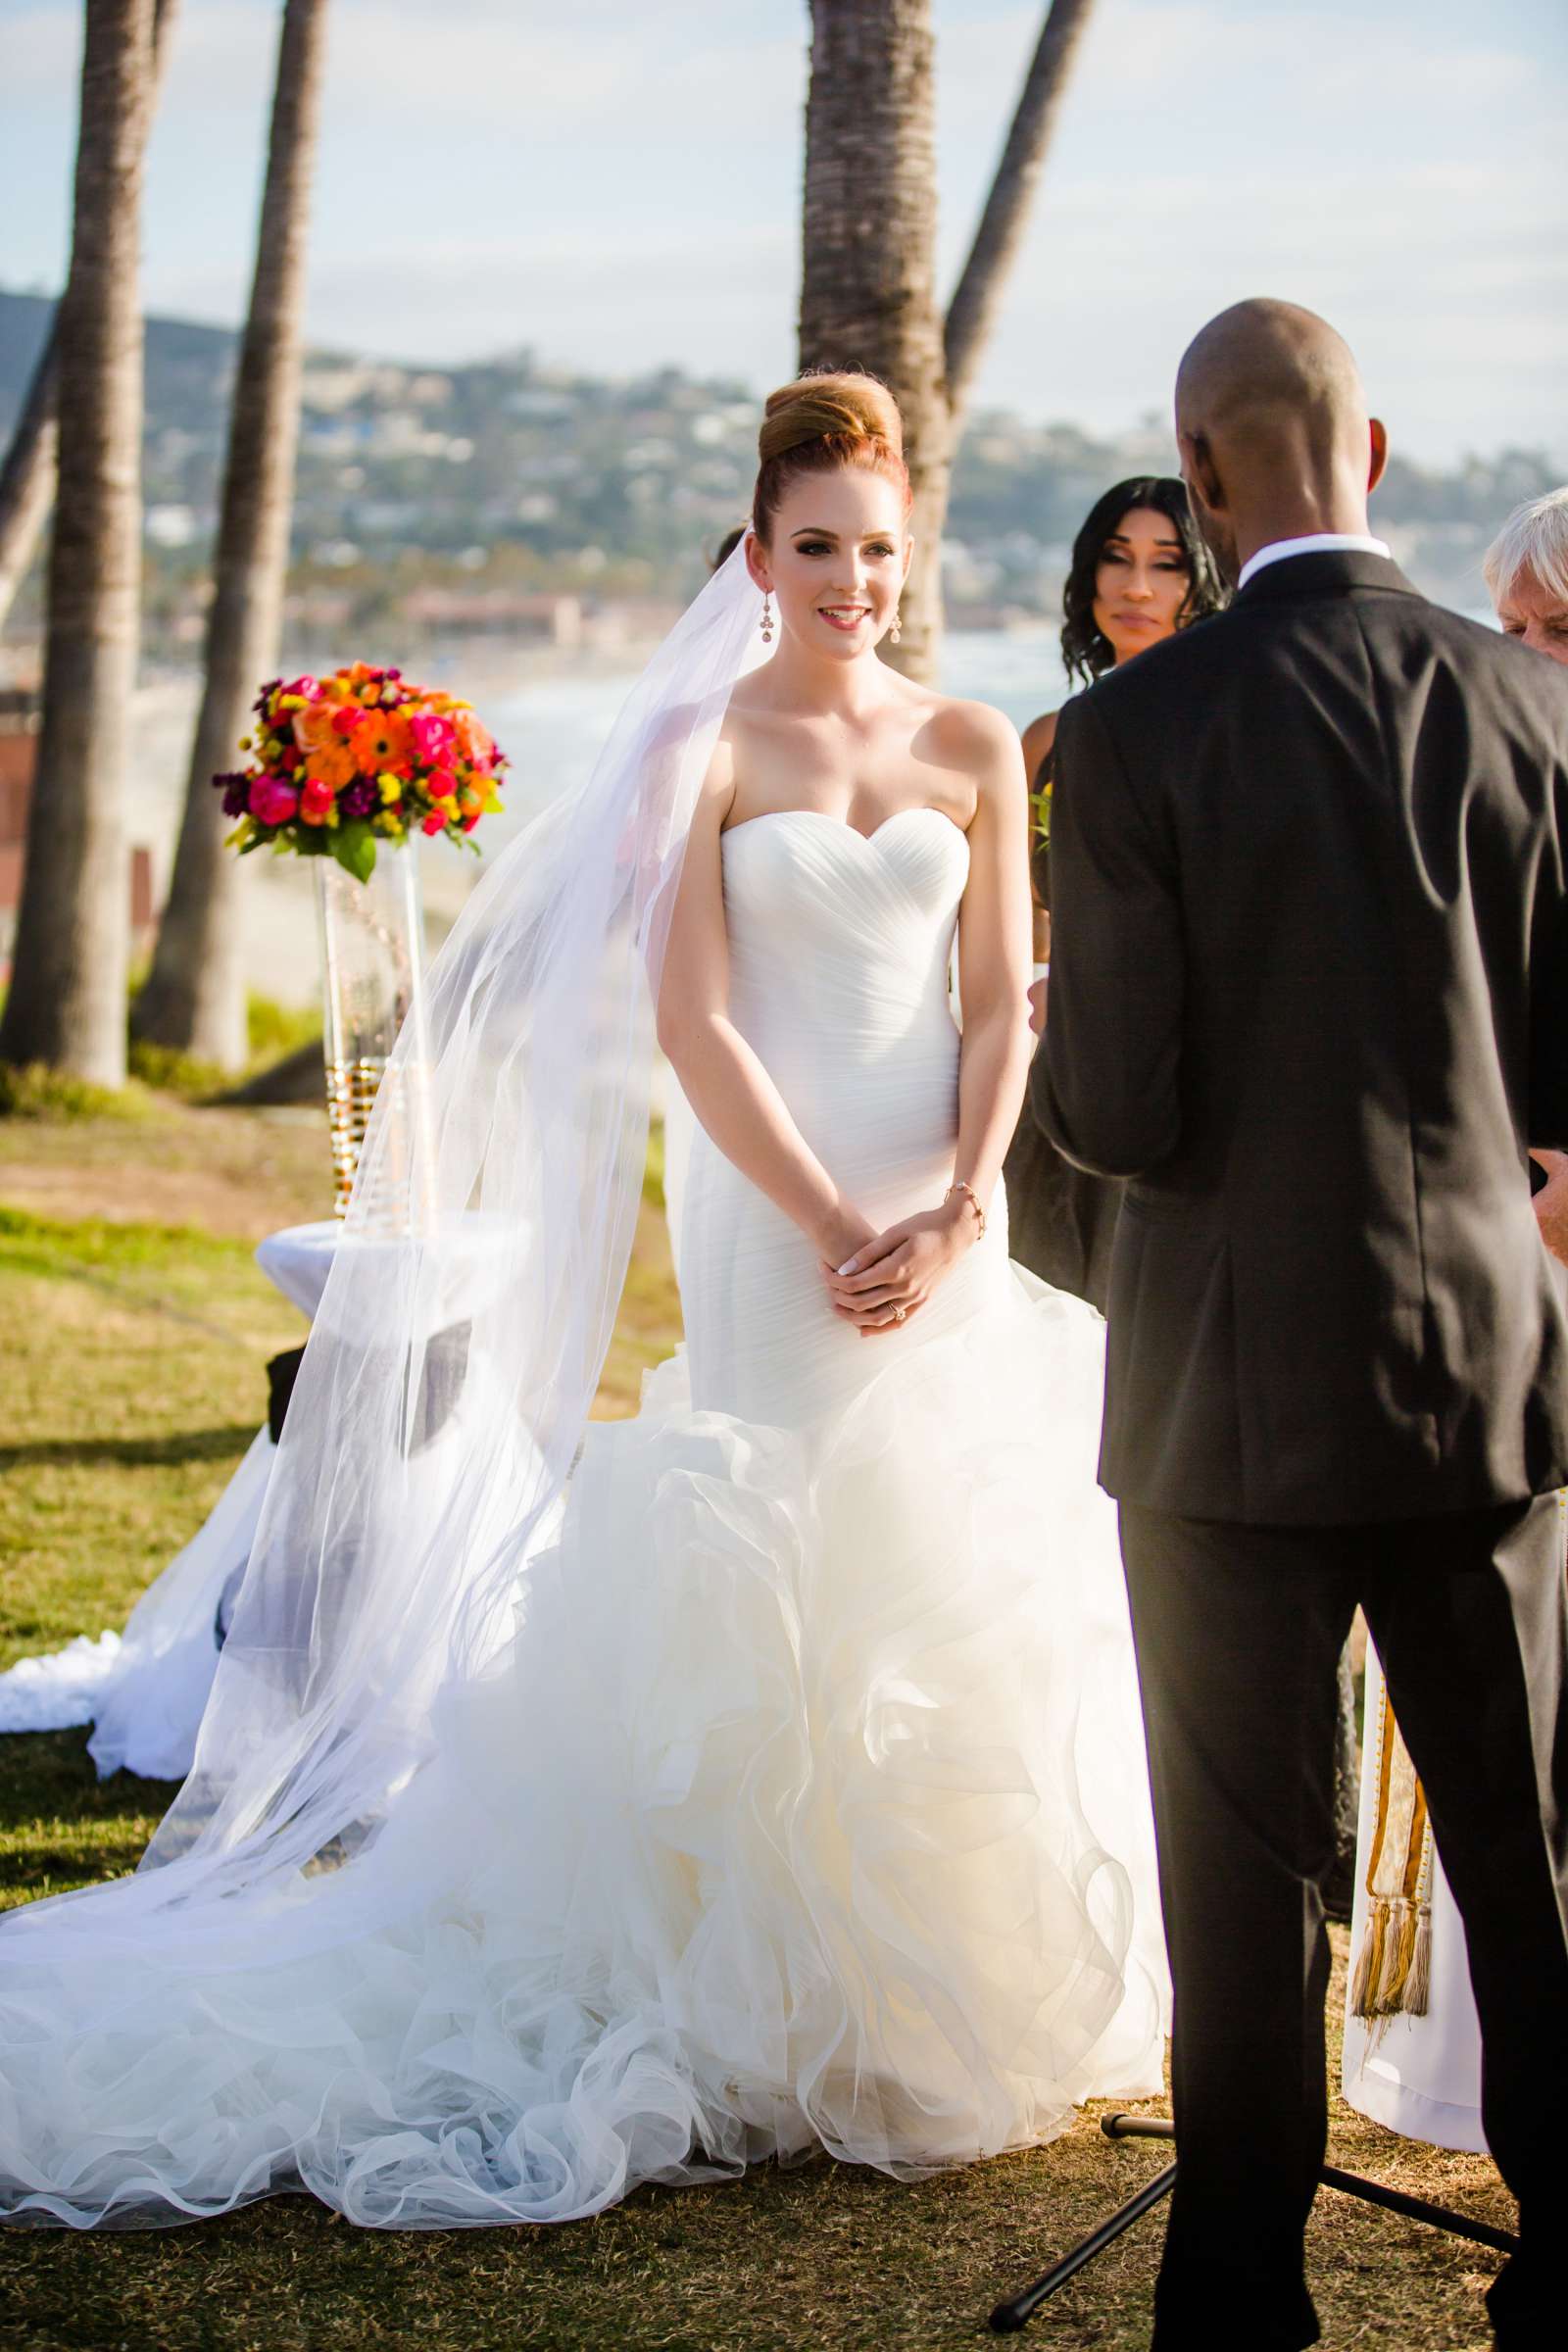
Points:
(1275, 437)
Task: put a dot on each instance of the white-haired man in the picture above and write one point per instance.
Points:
(1527, 571)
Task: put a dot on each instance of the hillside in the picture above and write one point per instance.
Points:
(479, 496)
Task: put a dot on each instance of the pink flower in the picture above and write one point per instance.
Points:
(308, 687)
(433, 740)
(271, 803)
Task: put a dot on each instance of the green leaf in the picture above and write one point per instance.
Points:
(354, 847)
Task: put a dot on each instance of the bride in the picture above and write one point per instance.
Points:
(585, 1806)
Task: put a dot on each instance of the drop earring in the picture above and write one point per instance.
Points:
(896, 630)
(767, 619)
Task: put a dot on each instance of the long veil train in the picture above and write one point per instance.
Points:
(447, 1381)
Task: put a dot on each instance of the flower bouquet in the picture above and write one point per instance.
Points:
(339, 764)
(337, 768)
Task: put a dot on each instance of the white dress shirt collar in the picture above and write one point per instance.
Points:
(1316, 543)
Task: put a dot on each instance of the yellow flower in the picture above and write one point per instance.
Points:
(391, 789)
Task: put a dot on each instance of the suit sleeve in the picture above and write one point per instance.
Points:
(1548, 989)
(1104, 1084)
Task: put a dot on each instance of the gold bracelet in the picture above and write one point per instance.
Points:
(973, 1199)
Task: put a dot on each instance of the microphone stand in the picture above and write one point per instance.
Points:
(1008, 2317)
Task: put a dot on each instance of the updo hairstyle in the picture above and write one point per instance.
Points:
(825, 419)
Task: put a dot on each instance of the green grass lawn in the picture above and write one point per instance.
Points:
(134, 1329)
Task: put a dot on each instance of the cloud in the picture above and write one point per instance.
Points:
(619, 186)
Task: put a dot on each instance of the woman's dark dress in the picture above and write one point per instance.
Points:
(1060, 1221)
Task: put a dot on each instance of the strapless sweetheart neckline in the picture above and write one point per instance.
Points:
(842, 824)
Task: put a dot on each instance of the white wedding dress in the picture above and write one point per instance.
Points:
(805, 1807)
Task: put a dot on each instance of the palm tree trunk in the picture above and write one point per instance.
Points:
(194, 998)
(971, 314)
(868, 282)
(29, 476)
(67, 1004)
(868, 291)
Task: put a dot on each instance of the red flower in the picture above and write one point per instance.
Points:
(347, 717)
(435, 822)
(271, 803)
(316, 802)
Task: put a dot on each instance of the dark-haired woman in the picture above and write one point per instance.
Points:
(1140, 572)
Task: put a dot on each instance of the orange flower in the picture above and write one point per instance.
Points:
(312, 726)
(382, 742)
(473, 740)
(334, 764)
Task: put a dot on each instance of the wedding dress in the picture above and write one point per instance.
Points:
(804, 1802)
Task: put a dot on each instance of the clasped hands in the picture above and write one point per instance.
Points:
(890, 1274)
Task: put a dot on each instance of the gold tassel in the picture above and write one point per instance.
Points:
(1401, 1958)
(1369, 1967)
(1420, 1987)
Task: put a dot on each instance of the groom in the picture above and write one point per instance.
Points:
(1310, 996)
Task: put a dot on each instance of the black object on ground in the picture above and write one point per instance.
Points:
(1009, 2317)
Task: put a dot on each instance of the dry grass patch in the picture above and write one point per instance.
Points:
(234, 1173)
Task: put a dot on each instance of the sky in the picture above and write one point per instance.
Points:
(617, 186)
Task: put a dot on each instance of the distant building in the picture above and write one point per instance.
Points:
(496, 612)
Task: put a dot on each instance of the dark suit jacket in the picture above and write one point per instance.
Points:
(1060, 1219)
(1309, 995)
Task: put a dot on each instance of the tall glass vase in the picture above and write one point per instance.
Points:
(373, 980)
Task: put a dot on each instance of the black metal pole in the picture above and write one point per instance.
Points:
(1007, 2318)
(1440, 2217)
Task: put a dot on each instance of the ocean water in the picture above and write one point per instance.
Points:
(553, 728)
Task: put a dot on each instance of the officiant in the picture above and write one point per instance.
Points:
(1334, 823)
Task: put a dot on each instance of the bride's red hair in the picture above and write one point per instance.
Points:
(832, 417)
